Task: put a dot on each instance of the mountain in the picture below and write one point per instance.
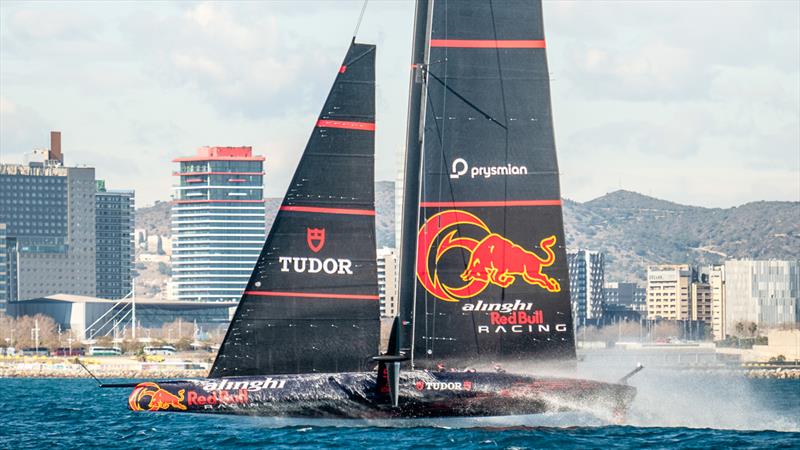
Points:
(631, 229)
(154, 219)
(634, 230)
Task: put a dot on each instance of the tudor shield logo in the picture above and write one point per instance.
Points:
(315, 238)
(494, 259)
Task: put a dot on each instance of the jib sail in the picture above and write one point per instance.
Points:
(490, 269)
(311, 304)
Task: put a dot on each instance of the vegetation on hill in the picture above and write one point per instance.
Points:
(633, 230)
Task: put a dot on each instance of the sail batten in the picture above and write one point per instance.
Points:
(311, 304)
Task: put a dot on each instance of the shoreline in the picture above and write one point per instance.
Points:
(186, 369)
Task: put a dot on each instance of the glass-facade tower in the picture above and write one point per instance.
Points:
(114, 223)
(218, 224)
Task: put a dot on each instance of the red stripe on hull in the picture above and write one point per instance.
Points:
(363, 126)
(480, 43)
(311, 295)
(491, 203)
(315, 209)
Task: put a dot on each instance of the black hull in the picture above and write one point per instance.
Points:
(355, 395)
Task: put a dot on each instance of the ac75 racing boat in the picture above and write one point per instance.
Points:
(484, 288)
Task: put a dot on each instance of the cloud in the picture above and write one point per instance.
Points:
(21, 127)
(242, 60)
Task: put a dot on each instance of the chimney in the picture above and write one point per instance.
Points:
(55, 147)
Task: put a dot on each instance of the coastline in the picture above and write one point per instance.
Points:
(121, 368)
(101, 368)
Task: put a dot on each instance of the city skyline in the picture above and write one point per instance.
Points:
(677, 106)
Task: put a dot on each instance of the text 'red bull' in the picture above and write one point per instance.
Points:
(240, 397)
(516, 318)
(493, 260)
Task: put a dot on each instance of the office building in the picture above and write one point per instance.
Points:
(387, 281)
(761, 292)
(218, 226)
(114, 224)
(586, 280)
(49, 212)
(668, 291)
(629, 295)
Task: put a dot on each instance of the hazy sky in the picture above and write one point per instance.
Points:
(694, 102)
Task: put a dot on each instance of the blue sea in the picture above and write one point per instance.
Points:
(674, 409)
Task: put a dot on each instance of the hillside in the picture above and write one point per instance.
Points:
(633, 230)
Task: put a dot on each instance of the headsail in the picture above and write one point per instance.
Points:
(492, 282)
(311, 304)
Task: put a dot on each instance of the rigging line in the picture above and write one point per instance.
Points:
(360, 16)
(505, 117)
(463, 99)
(354, 60)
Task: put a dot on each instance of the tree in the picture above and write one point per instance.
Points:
(25, 335)
(739, 327)
(752, 327)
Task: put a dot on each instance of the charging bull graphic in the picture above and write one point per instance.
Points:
(160, 399)
(493, 259)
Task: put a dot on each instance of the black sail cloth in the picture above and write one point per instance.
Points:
(311, 304)
(492, 280)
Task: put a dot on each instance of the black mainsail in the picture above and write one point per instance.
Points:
(491, 272)
(311, 304)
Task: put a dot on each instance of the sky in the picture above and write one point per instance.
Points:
(692, 102)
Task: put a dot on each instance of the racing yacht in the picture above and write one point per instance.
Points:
(484, 288)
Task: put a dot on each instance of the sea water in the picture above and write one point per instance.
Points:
(673, 409)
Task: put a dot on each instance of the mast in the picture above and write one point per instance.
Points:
(411, 178)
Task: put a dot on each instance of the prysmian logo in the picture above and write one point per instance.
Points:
(460, 168)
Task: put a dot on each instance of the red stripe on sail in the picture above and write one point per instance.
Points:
(481, 43)
(501, 203)
(364, 126)
(311, 295)
(315, 209)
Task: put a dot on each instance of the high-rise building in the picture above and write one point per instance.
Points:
(49, 212)
(3, 268)
(387, 281)
(716, 278)
(586, 279)
(218, 226)
(766, 293)
(51, 222)
(668, 295)
(114, 224)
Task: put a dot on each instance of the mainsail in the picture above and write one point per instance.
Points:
(311, 304)
(491, 281)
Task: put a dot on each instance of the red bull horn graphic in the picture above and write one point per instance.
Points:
(493, 259)
(160, 399)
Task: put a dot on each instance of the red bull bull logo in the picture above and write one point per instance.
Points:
(159, 399)
(494, 259)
